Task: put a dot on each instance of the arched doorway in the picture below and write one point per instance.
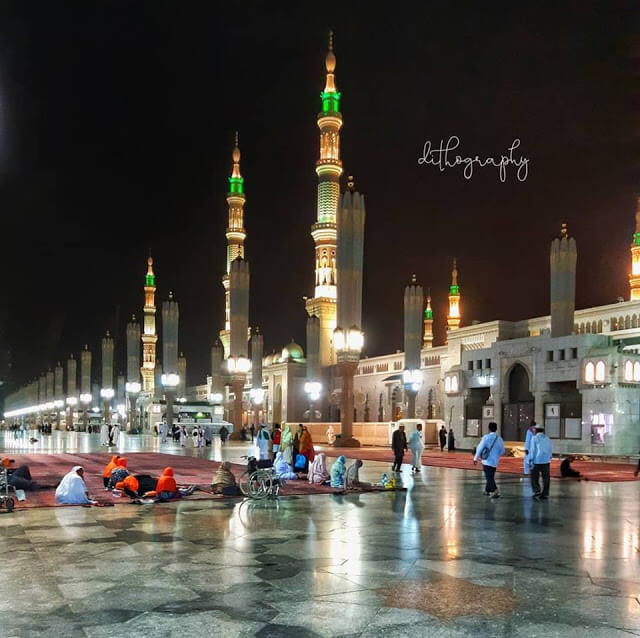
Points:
(518, 412)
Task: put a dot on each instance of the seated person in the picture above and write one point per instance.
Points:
(166, 487)
(352, 477)
(118, 473)
(72, 489)
(223, 478)
(566, 471)
(20, 479)
(106, 475)
(338, 471)
(129, 485)
(282, 469)
(318, 473)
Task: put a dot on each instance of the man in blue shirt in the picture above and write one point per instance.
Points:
(490, 449)
(540, 455)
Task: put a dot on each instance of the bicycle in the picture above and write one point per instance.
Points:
(259, 482)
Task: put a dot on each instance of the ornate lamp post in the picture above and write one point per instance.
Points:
(412, 375)
(238, 364)
(133, 385)
(313, 386)
(107, 392)
(348, 338)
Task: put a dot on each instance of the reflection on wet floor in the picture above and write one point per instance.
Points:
(438, 559)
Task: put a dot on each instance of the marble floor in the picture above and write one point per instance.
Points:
(437, 560)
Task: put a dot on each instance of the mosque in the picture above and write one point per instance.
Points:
(575, 371)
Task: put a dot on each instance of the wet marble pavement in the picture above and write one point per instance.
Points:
(437, 560)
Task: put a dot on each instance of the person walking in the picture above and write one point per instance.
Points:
(540, 463)
(451, 440)
(399, 445)
(442, 434)
(416, 445)
(531, 432)
(490, 449)
(253, 432)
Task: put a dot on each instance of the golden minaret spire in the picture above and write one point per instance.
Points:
(329, 170)
(235, 238)
(427, 340)
(453, 318)
(634, 277)
(149, 337)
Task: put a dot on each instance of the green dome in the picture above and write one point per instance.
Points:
(292, 351)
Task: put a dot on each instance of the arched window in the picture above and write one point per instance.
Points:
(590, 372)
(600, 371)
(600, 325)
(594, 327)
(628, 371)
(454, 384)
(636, 371)
(627, 322)
(614, 323)
(634, 321)
(588, 328)
(447, 384)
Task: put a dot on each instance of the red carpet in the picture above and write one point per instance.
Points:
(48, 469)
(592, 470)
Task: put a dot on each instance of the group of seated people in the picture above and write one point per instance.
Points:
(116, 477)
(339, 476)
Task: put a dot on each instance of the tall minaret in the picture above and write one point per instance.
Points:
(453, 318)
(235, 239)
(328, 169)
(427, 339)
(634, 277)
(149, 336)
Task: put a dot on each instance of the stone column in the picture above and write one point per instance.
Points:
(85, 384)
(413, 303)
(58, 392)
(107, 375)
(239, 314)
(563, 283)
(313, 357)
(170, 317)
(133, 369)
(71, 387)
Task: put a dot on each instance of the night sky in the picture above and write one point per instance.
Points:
(116, 131)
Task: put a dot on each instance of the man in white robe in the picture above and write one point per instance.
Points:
(72, 489)
(163, 431)
(104, 434)
(263, 441)
(416, 445)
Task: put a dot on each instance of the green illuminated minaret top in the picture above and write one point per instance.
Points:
(150, 278)
(236, 180)
(330, 96)
(428, 313)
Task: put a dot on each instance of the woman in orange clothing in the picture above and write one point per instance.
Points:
(166, 487)
(118, 473)
(106, 475)
(306, 445)
(129, 486)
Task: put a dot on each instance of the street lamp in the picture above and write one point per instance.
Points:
(170, 381)
(238, 365)
(215, 397)
(412, 380)
(256, 395)
(348, 344)
(133, 389)
(312, 390)
(71, 403)
(85, 399)
(107, 394)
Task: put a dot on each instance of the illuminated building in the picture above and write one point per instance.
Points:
(634, 278)
(427, 339)
(235, 240)
(453, 318)
(328, 169)
(149, 336)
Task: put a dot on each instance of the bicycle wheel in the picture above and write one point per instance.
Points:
(258, 485)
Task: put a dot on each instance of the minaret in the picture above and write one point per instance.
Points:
(427, 339)
(149, 336)
(634, 277)
(235, 239)
(453, 318)
(328, 169)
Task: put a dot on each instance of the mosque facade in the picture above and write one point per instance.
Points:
(575, 371)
